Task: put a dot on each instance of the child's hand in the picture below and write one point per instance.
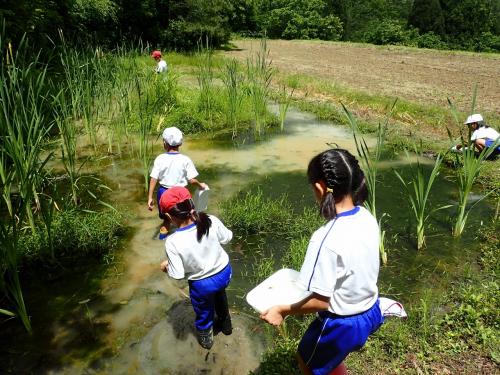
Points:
(203, 186)
(164, 266)
(272, 316)
(151, 204)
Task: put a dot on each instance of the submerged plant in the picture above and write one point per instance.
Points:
(418, 189)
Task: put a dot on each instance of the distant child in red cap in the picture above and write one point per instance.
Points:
(171, 168)
(194, 252)
(161, 67)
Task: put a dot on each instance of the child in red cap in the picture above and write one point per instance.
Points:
(162, 64)
(194, 252)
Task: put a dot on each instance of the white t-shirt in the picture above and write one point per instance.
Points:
(485, 132)
(173, 169)
(161, 67)
(197, 260)
(342, 262)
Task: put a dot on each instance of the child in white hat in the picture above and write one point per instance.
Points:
(482, 135)
(171, 168)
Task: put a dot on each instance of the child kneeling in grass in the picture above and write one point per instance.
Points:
(194, 251)
(340, 268)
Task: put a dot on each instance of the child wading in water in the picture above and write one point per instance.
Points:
(171, 169)
(340, 268)
(194, 251)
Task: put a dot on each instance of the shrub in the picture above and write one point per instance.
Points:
(183, 35)
(391, 32)
(430, 40)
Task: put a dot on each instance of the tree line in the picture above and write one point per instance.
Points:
(183, 24)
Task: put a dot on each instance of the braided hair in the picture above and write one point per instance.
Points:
(340, 172)
(185, 210)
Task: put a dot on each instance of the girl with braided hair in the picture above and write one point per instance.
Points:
(340, 268)
(194, 251)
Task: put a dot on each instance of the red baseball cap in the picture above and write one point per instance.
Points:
(172, 196)
(155, 54)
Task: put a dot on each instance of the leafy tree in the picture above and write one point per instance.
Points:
(299, 19)
(427, 16)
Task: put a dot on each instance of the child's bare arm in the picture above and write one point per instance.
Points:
(201, 185)
(152, 185)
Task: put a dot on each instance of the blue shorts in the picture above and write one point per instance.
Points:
(330, 338)
(205, 294)
(161, 190)
(491, 142)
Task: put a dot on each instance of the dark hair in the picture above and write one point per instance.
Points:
(340, 172)
(185, 209)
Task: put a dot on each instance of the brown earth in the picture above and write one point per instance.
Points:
(424, 76)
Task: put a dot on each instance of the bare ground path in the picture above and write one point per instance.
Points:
(424, 76)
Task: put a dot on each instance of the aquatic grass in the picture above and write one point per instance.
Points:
(418, 189)
(369, 161)
(259, 76)
(232, 79)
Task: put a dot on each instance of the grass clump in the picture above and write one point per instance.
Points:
(251, 213)
(75, 235)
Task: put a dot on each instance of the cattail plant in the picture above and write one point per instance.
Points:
(259, 76)
(232, 80)
(369, 160)
(418, 189)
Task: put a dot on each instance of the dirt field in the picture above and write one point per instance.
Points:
(418, 75)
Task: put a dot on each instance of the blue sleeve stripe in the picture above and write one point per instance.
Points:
(317, 255)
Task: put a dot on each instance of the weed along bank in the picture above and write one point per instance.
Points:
(82, 290)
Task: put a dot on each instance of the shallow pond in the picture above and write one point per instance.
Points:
(130, 318)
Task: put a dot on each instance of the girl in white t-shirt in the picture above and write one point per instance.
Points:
(194, 252)
(340, 268)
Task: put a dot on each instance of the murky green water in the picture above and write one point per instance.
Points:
(130, 318)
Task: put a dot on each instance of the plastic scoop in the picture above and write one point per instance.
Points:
(200, 199)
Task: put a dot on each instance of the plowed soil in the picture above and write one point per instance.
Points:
(424, 76)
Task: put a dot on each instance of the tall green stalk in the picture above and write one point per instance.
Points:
(232, 80)
(205, 75)
(259, 76)
(369, 161)
(284, 103)
(418, 189)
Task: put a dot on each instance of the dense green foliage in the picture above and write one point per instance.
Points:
(457, 24)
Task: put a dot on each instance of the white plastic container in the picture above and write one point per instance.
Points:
(282, 287)
(200, 199)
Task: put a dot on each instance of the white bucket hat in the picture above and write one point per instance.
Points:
(473, 118)
(172, 136)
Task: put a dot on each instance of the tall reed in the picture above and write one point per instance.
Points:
(232, 80)
(285, 99)
(205, 75)
(418, 189)
(259, 76)
(369, 161)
